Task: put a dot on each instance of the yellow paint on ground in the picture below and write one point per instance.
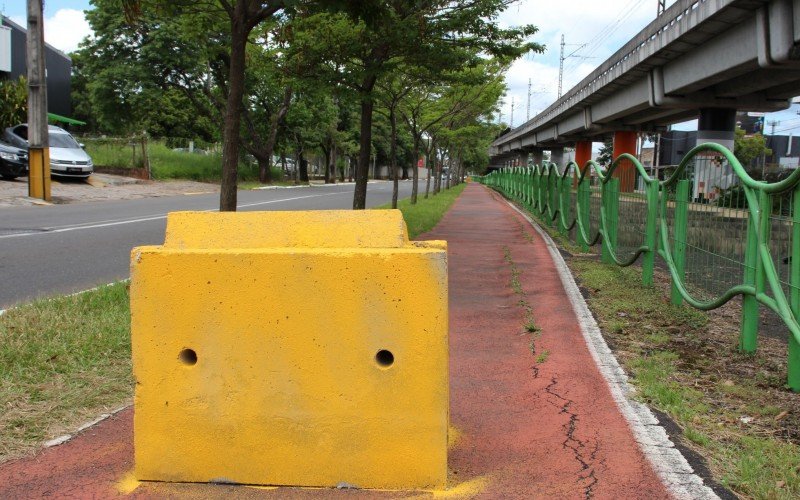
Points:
(127, 484)
(242, 376)
(467, 489)
(94, 182)
(453, 437)
(197, 192)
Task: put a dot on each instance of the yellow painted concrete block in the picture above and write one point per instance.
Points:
(291, 348)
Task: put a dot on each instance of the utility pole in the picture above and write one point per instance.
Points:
(661, 7)
(773, 124)
(512, 112)
(39, 153)
(561, 61)
(561, 66)
(528, 109)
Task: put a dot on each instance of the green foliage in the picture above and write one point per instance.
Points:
(747, 149)
(13, 102)
(605, 156)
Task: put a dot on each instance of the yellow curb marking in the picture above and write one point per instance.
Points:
(453, 437)
(127, 484)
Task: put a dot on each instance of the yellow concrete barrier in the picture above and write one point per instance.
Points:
(291, 348)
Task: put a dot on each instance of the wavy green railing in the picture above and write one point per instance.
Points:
(548, 193)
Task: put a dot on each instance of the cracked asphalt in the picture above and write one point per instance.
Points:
(531, 414)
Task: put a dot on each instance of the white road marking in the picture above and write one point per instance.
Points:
(119, 222)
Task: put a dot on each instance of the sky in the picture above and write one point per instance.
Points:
(593, 30)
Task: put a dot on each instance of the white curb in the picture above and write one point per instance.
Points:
(667, 461)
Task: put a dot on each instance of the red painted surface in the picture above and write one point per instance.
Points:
(531, 430)
(583, 153)
(625, 142)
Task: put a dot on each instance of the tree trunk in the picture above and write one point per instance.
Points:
(265, 174)
(431, 167)
(393, 156)
(233, 111)
(334, 156)
(365, 144)
(326, 152)
(415, 170)
(405, 172)
(303, 168)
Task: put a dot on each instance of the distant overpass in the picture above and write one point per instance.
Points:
(700, 58)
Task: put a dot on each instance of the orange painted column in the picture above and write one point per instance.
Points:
(583, 153)
(625, 142)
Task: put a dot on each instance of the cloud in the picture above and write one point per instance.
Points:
(64, 30)
(593, 31)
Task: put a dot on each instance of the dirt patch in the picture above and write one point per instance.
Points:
(99, 187)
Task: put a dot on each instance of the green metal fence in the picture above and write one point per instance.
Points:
(719, 232)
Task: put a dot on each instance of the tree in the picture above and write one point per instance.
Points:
(13, 102)
(748, 148)
(438, 35)
(606, 154)
(243, 17)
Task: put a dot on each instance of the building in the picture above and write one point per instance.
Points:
(58, 66)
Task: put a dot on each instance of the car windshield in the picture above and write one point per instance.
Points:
(63, 141)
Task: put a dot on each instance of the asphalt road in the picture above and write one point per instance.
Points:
(67, 248)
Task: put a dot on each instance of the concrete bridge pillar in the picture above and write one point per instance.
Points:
(537, 155)
(625, 142)
(557, 156)
(523, 158)
(715, 125)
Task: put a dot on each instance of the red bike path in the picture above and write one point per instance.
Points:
(524, 425)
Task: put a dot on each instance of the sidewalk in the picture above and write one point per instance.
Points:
(523, 425)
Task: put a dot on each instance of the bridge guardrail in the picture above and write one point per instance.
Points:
(715, 227)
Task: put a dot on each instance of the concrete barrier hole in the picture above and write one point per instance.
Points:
(188, 357)
(384, 358)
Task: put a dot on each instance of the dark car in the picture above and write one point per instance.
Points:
(13, 162)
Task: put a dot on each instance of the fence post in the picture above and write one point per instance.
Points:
(529, 186)
(565, 191)
(753, 276)
(610, 202)
(584, 195)
(649, 257)
(679, 235)
(793, 365)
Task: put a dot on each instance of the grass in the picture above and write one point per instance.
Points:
(62, 362)
(168, 164)
(66, 360)
(679, 369)
(426, 213)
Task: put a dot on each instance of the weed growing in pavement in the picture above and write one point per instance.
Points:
(516, 285)
(542, 356)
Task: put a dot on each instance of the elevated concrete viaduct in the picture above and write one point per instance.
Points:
(700, 58)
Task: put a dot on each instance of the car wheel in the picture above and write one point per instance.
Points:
(9, 177)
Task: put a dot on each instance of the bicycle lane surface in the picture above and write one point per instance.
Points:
(531, 415)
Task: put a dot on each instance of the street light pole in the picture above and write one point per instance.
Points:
(39, 153)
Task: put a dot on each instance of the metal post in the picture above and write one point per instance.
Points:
(794, 293)
(39, 153)
(584, 195)
(649, 257)
(611, 208)
(754, 274)
(679, 234)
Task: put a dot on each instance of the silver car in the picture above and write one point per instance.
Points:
(67, 157)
